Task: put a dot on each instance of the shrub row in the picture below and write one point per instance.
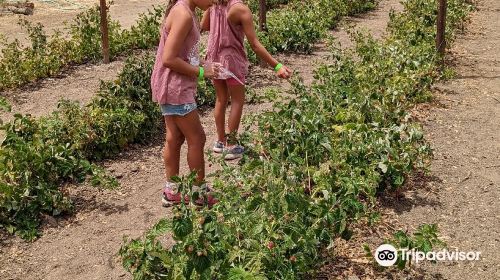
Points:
(315, 163)
(38, 156)
(47, 56)
(299, 25)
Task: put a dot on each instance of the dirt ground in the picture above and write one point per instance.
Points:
(54, 13)
(462, 125)
(80, 83)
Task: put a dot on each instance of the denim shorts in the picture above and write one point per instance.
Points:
(177, 110)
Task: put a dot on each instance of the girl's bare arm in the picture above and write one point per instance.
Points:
(241, 14)
(179, 30)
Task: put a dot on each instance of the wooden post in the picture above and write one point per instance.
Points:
(262, 22)
(262, 15)
(441, 27)
(104, 31)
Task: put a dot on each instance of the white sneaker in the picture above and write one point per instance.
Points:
(218, 147)
(233, 152)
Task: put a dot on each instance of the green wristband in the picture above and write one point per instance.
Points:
(278, 67)
(202, 73)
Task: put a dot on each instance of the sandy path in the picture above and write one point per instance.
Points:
(54, 13)
(464, 130)
(79, 84)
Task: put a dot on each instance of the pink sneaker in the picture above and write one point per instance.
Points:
(208, 199)
(172, 196)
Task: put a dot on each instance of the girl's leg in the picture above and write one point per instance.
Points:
(172, 150)
(191, 128)
(220, 109)
(237, 93)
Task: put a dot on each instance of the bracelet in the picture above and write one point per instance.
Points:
(278, 67)
(202, 73)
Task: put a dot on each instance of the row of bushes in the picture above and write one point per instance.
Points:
(47, 56)
(298, 26)
(315, 163)
(38, 155)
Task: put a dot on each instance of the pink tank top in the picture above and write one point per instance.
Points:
(226, 41)
(168, 86)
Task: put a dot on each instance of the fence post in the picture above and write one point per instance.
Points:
(104, 31)
(441, 28)
(262, 15)
(262, 22)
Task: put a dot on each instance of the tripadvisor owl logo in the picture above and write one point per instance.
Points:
(386, 255)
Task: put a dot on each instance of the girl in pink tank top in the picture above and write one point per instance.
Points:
(229, 22)
(173, 84)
